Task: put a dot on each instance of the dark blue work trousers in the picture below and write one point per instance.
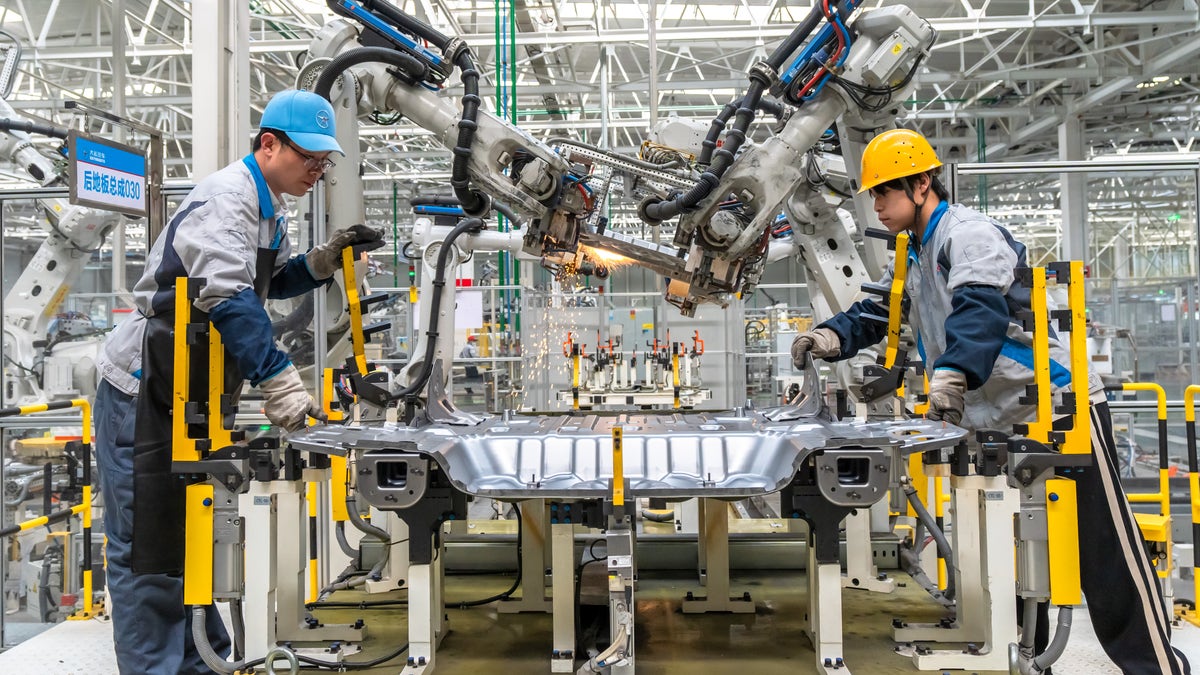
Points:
(152, 630)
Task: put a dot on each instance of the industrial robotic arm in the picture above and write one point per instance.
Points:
(727, 217)
(73, 234)
(375, 50)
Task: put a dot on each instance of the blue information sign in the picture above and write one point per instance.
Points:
(107, 175)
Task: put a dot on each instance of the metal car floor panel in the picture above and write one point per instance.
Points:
(669, 455)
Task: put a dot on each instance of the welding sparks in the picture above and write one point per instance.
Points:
(608, 258)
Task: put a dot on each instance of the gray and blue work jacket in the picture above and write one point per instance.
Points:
(964, 308)
(218, 234)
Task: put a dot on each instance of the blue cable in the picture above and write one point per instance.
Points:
(813, 45)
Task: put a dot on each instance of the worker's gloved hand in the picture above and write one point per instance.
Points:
(325, 260)
(288, 403)
(822, 343)
(947, 392)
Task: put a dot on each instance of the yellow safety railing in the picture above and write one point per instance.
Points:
(1163, 495)
(83, 509)
(1160, 527)
(1189, 411)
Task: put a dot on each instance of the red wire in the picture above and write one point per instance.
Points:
(809, 85)
(841, 46)
(841, 40)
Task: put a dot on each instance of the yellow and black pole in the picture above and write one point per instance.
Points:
(675, 371)
(338, 477)
(84, 507)
(1189, 412)
(310, 497)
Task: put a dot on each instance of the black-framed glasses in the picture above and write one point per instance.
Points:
(310, 162)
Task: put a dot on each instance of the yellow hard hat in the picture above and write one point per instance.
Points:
(896, 153)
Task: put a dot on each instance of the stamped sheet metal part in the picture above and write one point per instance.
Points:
(710, 454)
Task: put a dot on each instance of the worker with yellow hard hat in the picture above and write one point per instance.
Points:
(964, 311)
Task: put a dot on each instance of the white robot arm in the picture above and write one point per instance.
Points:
(392, 73)
(73, 233)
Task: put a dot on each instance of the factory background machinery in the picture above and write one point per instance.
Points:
(641, 258)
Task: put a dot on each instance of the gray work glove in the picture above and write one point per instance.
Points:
(822, 343)
(947, 391)
(325, 260)
(288, 403)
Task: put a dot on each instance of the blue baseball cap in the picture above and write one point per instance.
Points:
(305, 117)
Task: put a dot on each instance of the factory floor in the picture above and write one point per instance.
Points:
(483, 641)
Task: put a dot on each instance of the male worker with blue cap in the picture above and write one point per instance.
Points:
(231, 231)
(964, 310)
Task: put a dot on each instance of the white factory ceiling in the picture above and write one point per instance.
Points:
(1002, 78)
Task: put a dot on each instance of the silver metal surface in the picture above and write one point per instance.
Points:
(723, 455)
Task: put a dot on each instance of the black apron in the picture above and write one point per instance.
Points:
(158, 493)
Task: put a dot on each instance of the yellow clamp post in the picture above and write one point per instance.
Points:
(1062, 526)
(217, 433)
(1039, 430)
(355, 304)
(1189, 411)
(896, 300)
(618, 467)
(1077, 439)
(183, 446)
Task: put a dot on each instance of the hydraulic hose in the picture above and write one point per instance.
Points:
(796, 38)
(516, 582)
(374, 531)
(943, 545)
(735, 136)
(33, 128)
(1057, 644)
(474, 203)
(351, 573)
(439, 287)
(910, 562)
(723, 158)
(1029, 625)
(204, 648)
(340, 534)
(769, 106)
(362, 525)
(348, 59)
(507, 212)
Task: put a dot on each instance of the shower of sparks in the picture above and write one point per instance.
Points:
(607, 258)
(544, 365)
